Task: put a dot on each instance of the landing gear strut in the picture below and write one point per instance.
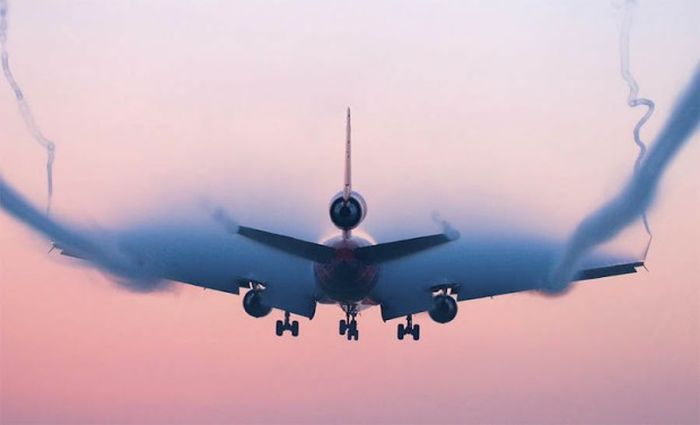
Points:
(281, 326)
(348, 326)
(408, 328)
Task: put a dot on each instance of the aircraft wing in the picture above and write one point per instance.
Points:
(479, 265)
(212, 259)
(196, 251)
(204, 255)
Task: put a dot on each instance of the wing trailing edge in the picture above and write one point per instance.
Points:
(615, 270)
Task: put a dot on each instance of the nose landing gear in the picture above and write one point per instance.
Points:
(281, 326)
(408, 328)
(348, 326)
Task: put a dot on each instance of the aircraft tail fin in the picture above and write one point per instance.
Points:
(347, 186)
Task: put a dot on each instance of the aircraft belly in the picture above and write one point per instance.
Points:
(346, 282)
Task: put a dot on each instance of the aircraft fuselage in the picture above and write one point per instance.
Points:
(346, 280)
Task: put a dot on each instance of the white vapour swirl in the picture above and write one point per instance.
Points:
(632, 99)
(636, 196)
(24, 108)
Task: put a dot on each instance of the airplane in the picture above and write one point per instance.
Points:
(403, 278)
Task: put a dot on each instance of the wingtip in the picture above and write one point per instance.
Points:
(226, 221)
(648, 247)
(450, 232)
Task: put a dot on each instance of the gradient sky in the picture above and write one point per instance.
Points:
(508, 112)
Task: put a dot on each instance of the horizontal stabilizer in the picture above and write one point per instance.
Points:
(299, 248)
(394, 250)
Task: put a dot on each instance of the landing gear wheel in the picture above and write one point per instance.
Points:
(351, 330)
(348, 326)
(279, 328)
(409, 328)
(416, 332)
(353, 334)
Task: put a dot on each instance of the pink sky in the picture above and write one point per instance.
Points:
(511, 112)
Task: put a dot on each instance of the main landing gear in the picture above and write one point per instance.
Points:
(281, 326)
(348, 326)
(408, 328)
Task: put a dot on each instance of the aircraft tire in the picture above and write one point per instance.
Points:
(416, 332)
(279, 328)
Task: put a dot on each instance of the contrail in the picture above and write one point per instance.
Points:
(632, 99)
(132, 272)
(637, 194)
(24, 108)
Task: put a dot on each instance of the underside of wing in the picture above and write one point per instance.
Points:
(480, 265)
(196, 252)
(204, 255)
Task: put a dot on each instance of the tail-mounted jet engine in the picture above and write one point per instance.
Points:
(444, 308)
(348, 213)
(252, 304)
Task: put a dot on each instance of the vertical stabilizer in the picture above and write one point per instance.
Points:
(347, 188)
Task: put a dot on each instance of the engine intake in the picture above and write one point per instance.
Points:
(252, 304)
(347, 215)
(444, 308)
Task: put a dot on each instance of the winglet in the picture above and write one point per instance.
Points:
(221, 216)
(347, 187)
(450, 232)
(646, 250)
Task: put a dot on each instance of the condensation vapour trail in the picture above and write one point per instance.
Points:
(634, 198)
(632, 99)
(24, 108)
(100, 250)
